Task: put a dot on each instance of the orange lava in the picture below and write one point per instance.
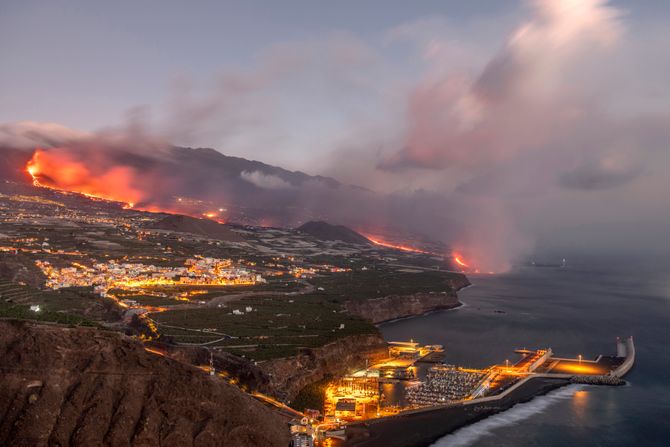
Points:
(58, 169)
(459, 261)
(378, 241)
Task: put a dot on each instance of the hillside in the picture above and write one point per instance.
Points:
(328, 232)
(13, 165)
(202, 227)
(252, 192)
(82, 387)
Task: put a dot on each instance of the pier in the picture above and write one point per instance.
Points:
(452, 397)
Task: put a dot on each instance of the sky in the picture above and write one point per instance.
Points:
(542, 121)
(86, 64)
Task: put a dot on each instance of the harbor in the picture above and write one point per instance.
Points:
(379, 404)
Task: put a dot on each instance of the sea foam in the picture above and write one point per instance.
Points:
(468, 435)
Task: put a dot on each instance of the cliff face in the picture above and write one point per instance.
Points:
(288, 376)
(392, 307)
(80, 387)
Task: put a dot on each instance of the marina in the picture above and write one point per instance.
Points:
(365, 408)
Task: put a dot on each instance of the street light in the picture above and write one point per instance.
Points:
(580, 358)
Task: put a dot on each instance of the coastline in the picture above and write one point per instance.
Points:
(458, 306)
(515, 414)
(423, 428)
(287, 376)
(393, 308)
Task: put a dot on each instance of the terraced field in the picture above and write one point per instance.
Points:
(276, 326)
(16, 299)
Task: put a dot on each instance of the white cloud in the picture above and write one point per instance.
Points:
(265, 181)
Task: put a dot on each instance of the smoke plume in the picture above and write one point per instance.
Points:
(488, 143)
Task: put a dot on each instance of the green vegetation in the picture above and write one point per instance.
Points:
(65, 306)
(312, 396)
(20, 312)
(277, 326)
(373, 283)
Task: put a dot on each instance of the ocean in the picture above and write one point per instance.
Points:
(579, 309)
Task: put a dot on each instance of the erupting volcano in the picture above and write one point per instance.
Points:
(205, 184)
(56, 169)
(61, 170)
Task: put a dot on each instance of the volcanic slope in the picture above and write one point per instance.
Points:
(81, 387)
(329, 232)
(203, 227)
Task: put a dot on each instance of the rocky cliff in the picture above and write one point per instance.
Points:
(392, 307)
(289, 375)
(81, 387)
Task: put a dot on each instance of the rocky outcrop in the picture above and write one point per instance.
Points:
(81, 387)
(392, 307)
(289, 375)
(249, 376)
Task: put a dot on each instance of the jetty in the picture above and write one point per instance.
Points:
(498, 389)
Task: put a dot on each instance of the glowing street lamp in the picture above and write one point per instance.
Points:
(580, 358)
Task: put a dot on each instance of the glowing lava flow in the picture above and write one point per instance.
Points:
(377, 241)
(59, 170)
(467, 267)
(459, 261)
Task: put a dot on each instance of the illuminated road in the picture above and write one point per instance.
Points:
(275, 403)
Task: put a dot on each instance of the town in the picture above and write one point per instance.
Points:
(130, 276)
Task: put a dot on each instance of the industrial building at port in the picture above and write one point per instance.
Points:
(359, 397)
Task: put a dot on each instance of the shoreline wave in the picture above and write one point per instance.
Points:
(460, 305)
(469, 434)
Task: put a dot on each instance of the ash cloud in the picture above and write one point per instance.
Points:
(521, 101)
(31, 134)
(602, 175)
(535, 120)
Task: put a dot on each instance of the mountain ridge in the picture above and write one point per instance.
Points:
(330, 232)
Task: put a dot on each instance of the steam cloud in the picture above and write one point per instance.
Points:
(266, 181)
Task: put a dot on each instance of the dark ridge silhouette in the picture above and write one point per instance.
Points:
(203, 227)
(329, 232)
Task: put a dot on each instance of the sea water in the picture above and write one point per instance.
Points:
(576, 310)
